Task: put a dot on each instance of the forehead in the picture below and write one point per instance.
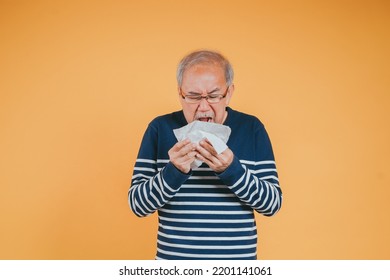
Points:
(204, 74)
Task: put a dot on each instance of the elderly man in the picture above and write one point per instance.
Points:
(205, 212)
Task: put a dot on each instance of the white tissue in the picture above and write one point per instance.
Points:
(216, 134)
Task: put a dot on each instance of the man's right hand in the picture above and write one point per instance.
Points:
(182, 154)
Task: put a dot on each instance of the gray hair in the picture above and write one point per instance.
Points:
(205, 57)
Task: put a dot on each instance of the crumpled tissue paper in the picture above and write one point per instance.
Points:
(216, 134)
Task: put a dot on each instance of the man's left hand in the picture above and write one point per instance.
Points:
(217, 162)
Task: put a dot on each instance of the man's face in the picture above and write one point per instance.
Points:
(205, 79)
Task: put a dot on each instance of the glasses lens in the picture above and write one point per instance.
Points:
(214, 98)
(193, 99)
(211, 98)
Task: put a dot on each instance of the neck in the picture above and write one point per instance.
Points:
(224, 117)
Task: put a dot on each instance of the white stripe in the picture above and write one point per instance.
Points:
(136, 206)
(269, 177)
(159, 185)
(257, 162)
(159, 204)
(207, 256)
(206, 168)
(266, 197)
(209, 229)
(133, 202)
(254, 193)
(202, 169)
(141, 199)
(261, 191)
(263, 170)
(142, 212)
(158, 189)
(137, 182)
(204, 178)
(204, 203)
(199, 187)
(147, 194)
(210, 212)
(145, 169)
(239, 180)
(162, 186)
(166, 184)
(272, 199)
(207, 238)
(205, 194)
(248, 176)
(276, 203)
(141, 175)
(207, 221)
(205, 247)
(146, 160)
(244, 197)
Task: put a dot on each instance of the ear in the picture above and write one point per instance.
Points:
(229, 94)
(179, 92)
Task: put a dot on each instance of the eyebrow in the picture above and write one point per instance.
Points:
(197, 93)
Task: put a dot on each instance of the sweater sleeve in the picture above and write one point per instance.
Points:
(152, 186)
(256, 182)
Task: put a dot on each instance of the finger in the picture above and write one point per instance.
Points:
(202, 158)
(226, 158)
(207, 156)
(190, 147)
(192, 154)
(208, 146)
(207, 141)
(211, 163)
(189, 160)
(184, 155)
(179, 145)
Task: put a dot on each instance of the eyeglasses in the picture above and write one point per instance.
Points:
(210, 98)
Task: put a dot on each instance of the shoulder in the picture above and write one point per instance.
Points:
(168, 121)
(243, 119)
(159, 132)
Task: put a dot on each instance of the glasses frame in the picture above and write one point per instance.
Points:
(221, 96)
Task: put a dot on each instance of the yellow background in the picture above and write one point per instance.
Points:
(80, 81)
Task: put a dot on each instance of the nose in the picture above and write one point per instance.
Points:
(204, 105)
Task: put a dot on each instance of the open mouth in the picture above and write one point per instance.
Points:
(205, 119)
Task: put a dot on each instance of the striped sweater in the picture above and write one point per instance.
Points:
(204, 215)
